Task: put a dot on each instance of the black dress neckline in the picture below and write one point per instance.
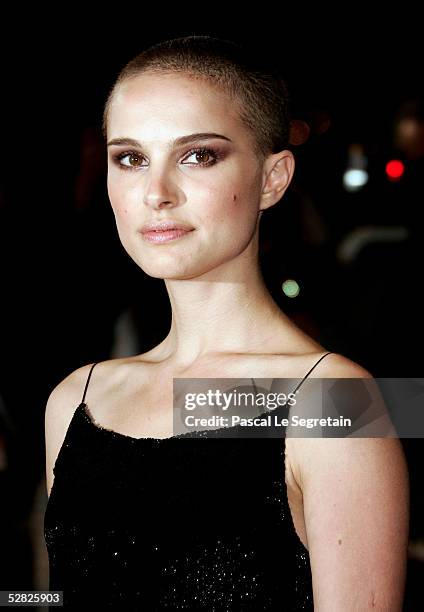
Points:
(137, 521)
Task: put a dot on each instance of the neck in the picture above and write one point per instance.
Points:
(229, 309)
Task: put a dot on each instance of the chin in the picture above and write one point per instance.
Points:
(169, 266)
(165, 272)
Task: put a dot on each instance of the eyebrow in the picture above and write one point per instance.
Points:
(182, 140)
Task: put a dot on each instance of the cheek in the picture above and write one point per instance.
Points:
(113, 193)
(239, 205)
(119, 201)
(121, 210)
(232, 220)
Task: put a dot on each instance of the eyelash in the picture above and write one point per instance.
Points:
(214, 154)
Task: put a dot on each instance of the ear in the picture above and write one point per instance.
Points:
(277, 173)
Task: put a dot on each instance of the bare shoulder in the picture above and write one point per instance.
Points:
(353, 490)
(300, 451)
(307, 455)
(61, 405)
(66, 396)
(335, 365)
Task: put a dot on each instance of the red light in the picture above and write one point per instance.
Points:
(394, 169)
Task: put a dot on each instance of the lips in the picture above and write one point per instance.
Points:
(163, 226)
(165, 235)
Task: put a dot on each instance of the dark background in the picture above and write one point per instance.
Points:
(65, 275)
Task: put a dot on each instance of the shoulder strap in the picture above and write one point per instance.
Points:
(314, 366)
(88, 380)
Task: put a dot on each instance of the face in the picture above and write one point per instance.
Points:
(212, 185)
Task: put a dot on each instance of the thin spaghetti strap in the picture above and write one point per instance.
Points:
(88, 380)
(314, 366)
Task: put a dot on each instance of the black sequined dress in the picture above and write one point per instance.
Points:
(182, 523)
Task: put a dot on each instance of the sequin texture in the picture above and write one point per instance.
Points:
(179, 524)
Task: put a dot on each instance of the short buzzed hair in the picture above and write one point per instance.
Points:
(259, 91)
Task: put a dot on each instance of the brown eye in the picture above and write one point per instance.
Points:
(202, 156)
(134, 158)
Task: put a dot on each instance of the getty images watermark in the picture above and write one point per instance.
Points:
(313, 407)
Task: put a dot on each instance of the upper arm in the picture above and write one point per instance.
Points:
(356, 507)
(356, 511)
(60, 407)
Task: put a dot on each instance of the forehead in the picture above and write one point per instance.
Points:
(161, 106)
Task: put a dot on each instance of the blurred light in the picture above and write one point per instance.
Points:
(394, 169)
(355, 175)
(290, 288)
(299, 132)
(354, 179)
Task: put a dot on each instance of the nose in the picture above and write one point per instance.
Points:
(160, 191)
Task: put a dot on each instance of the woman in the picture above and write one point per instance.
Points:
(141, 519)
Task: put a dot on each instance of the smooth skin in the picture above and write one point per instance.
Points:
(349, 497)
